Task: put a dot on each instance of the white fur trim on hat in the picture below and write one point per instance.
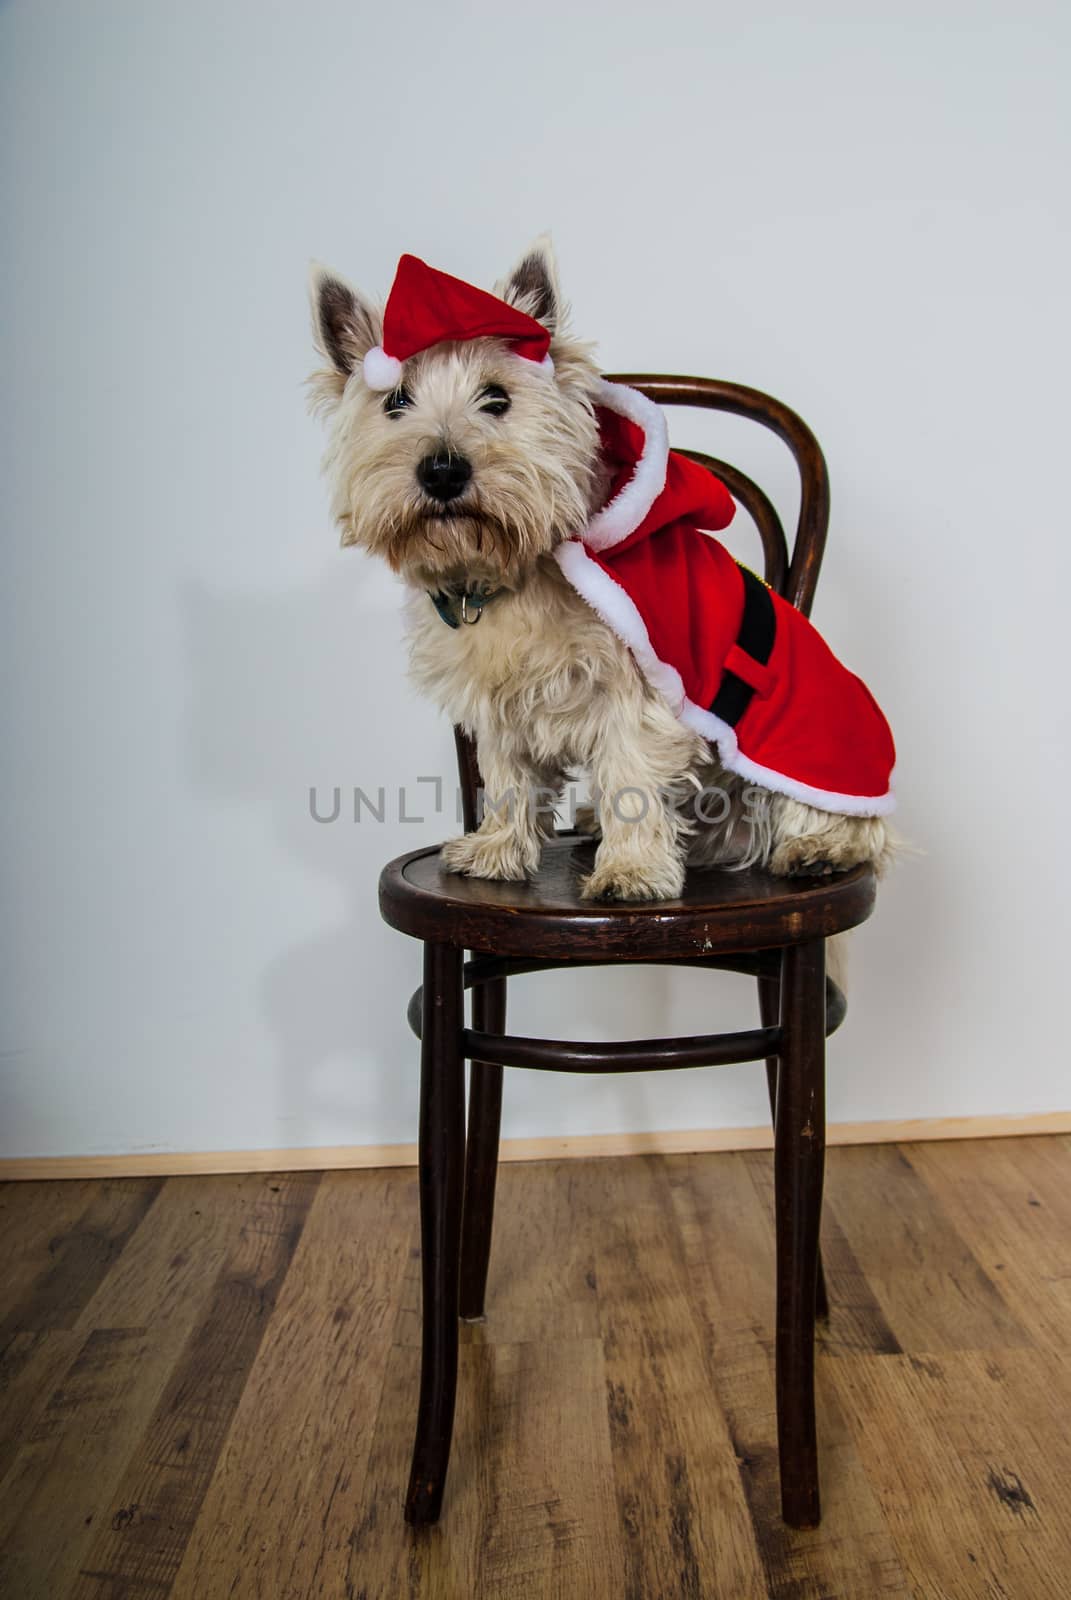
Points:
(547, 364)
(381, 371)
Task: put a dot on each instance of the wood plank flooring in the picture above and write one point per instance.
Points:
(207, 1385)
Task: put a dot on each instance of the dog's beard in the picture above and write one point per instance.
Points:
(465, 544)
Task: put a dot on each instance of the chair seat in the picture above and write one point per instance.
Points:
(718, 912)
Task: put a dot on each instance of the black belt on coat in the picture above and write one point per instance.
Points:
(750, 654)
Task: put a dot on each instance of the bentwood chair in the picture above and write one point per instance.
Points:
(747, 922)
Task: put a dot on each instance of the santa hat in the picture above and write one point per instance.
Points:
(426, 307)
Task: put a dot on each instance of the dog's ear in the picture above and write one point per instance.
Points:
(344, 324)
(532, 286)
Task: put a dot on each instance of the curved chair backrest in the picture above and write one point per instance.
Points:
(793, 574)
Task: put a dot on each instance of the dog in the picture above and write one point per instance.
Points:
(469, 455)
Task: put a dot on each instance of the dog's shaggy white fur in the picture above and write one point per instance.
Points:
(542, 683)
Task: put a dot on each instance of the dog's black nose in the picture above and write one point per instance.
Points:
(444, 474)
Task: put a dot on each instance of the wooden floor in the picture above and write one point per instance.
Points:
(207, 1385)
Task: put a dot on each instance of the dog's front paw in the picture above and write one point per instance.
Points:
(499, 856)
(634, 880)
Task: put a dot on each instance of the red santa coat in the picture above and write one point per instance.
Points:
(735, 661)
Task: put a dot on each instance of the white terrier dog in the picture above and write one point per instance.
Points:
(471, 455)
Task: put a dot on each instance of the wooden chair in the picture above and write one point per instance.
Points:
(774, 929)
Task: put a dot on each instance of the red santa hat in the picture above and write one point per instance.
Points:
(426, 307)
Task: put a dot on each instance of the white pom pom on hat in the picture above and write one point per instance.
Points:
(381, 371)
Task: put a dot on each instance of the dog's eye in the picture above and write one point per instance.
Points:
(397, 401)
(494, 400)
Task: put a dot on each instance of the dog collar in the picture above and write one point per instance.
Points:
(456, 606)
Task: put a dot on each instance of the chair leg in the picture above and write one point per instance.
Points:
(769, 1013)
(481, 1153)
(442, 1155)
(799, 1159)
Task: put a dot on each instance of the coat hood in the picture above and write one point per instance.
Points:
(651, 485)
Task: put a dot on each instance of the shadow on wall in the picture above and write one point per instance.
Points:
(306, 687)
(280, 700)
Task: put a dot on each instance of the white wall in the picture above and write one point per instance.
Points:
(867, 217)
